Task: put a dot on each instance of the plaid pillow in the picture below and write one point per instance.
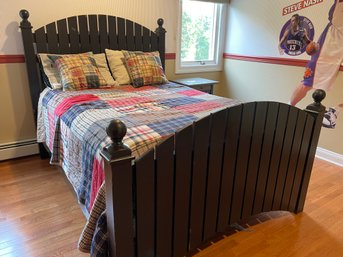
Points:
(145, 69)
(128, 54)
(51, 77)
(78, 72)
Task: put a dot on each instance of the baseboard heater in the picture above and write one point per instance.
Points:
(18, 149)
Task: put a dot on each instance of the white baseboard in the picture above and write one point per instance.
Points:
(329, 156)
(18, 149)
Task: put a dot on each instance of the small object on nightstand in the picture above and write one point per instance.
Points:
(205, 85)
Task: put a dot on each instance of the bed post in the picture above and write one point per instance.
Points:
(316, 109)
(30, 59)
(118, 178)
(161, 33)
(32, 69)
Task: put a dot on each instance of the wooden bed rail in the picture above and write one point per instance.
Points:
(236, 163)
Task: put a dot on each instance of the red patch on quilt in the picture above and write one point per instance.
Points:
(128, 101)
(98, 176)
(70, 101)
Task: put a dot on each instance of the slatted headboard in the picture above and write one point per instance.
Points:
(84, 33)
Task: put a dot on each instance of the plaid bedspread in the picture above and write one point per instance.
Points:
(72, 124)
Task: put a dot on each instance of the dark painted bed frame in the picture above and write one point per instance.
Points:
(231, 165)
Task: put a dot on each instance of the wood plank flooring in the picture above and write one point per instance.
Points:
(316, 232)
(39, 216)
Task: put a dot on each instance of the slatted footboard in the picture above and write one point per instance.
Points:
(236, 163)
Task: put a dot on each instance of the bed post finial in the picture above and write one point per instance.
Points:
(116, 130)
(160, 22)
(318, 96)
(24, 14)
(161, 33)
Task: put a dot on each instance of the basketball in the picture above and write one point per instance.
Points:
(311, 48)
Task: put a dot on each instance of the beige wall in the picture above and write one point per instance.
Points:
(42, 12)
(15, 104)
(250, 81)
(253, 29)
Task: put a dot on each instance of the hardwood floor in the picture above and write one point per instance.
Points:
(39, 216)
(316, 232)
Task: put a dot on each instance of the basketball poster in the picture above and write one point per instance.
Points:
(297, 32)
(297, 36)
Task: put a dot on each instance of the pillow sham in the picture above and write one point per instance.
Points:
(78, 72)
(116, 61)
(128, 54)
(52, 77)
(145, 69)
(102, 65)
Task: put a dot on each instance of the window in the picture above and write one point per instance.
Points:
(200, 41)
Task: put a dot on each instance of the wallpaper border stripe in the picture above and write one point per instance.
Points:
(19, 58)
(172, 56)
(12, 58)
(270, 60)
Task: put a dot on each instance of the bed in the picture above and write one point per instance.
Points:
(216, 165)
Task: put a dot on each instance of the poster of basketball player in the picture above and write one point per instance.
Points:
(296, 38)
(295, 35)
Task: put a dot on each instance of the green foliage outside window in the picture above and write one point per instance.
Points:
(195, 39)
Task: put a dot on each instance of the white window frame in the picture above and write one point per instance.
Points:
(203, 66)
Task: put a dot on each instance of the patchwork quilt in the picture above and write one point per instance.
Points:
(72, 124)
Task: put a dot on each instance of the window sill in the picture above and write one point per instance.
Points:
(197, 69)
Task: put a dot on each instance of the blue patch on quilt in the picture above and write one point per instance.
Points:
(94, 136)
(49, 95)
(167, 127)
(99, 246)
(77, 109)
(174, 102)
